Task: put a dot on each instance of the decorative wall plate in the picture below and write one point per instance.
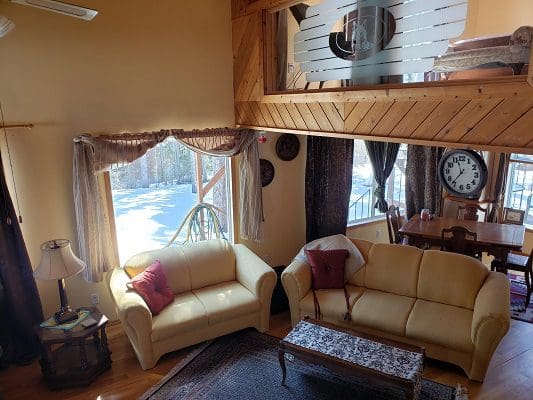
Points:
(287, 146)
(267, 172)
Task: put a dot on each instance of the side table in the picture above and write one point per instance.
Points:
(75, 357)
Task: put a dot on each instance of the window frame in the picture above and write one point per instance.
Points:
(508, 191)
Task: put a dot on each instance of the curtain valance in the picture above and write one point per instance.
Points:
(96, 154)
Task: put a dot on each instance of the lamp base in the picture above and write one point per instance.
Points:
(65, 315)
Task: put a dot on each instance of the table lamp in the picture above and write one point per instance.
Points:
(59, 262)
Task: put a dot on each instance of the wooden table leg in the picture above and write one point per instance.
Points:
(281, 356)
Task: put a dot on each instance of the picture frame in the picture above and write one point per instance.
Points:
(513, 216)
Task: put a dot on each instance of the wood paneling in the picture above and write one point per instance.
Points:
(491, 123)
(247, 58)
(492, 114)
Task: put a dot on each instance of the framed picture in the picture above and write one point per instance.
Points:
(513, 216)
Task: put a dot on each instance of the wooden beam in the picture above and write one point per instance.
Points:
(214, 180)
(487, 147)
(240, 8)
(199, 183)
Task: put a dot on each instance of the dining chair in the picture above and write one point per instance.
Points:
(455, 239)
(517, 262)
(513, 216)
(470, 212)
(393, 226)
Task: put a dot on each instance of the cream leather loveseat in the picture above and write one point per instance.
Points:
(448, 303)
(219, 287)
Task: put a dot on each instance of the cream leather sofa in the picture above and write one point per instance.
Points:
(448, 303)
(219, 287)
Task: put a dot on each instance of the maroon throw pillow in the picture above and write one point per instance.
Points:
(153, 287)
(327, 268)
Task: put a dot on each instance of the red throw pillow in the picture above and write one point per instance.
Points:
(327, 268)
(153, 287)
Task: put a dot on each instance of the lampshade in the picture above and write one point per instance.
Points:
(6, 25)
(58, 261)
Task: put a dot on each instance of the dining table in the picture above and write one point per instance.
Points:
(495, 239)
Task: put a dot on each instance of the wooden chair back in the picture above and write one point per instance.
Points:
(393, 224)
(470, 212)
(455, 239)
(513, 216)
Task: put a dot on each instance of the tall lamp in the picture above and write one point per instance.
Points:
(59, 262)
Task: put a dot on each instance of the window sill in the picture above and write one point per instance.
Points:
(365, 222)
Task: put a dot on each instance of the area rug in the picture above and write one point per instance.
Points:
(518, 299)
(245, 366)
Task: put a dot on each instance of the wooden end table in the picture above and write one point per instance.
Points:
(354, 353)
(75, 357)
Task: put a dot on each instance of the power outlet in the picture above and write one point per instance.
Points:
(95, 299)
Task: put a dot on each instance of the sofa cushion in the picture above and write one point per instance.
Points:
(441, 324)
(210, 262)
(450, 278)
(332, 302)
(393, 268)
(327, 268)
(227, 300)
(185, 313)
(384, 311)
(173, 262)
(152, 285)
(364, 246)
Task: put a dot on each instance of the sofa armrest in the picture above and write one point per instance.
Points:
(296, 280)
(254, 274)
(490, 321)
(130, 306)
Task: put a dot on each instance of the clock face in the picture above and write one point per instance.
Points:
(463, 173)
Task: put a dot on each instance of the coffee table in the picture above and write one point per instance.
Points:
(354, 353)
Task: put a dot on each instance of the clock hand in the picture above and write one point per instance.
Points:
(460, 173)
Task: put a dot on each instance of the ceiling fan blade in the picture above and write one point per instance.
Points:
(60, 7)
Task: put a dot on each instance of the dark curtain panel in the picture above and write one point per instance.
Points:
(20, 304)
(328, 183)
(382, 157)
(422, 186)
(499, 186)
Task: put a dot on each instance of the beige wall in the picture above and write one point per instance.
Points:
(144, 66)
(497, 17)
(283, 206)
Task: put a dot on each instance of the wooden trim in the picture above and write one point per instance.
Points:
(500, 149)
(440, 90)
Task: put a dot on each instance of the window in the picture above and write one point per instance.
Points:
(519, 190)
(362, 198)
(153, 194)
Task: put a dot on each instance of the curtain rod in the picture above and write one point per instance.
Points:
(10, 126)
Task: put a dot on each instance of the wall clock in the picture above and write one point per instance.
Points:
(463, 173)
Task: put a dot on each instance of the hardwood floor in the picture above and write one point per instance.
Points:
(510, 374)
